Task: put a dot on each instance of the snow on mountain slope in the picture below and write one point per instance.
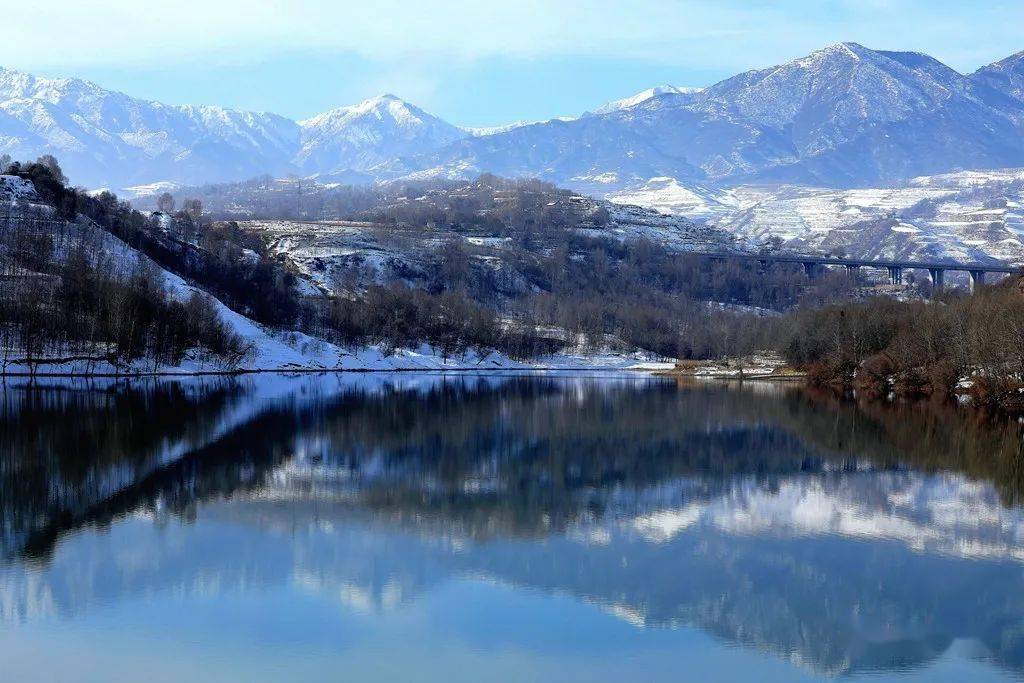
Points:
(274, 351)
(842, 116)
(644, 96)
(1006, 76)
(107, 138)
(670, 196)
(846, 80)
(964, 216)
(360, 137)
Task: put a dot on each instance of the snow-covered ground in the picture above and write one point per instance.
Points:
(328, 252)
(965, 216)
(296, 352)
(671, 196)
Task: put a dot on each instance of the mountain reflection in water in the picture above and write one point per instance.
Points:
(823, 537)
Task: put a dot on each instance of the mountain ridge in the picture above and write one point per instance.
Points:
(842, 116)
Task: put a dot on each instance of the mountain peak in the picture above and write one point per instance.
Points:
(360, 136)
(16, 84)
(1014, 60)
(847, 47)
(379, 106)
(846, 52)
(1006, 75)
(850, 82)
(644, 96)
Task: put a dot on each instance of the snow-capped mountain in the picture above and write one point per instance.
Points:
(842, 116)
(106, 138)
(352, 141)
(644, 96)
(1006, 76)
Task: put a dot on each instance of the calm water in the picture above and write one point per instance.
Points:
(422, 528)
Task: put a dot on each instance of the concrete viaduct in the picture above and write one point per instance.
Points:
(813, 264)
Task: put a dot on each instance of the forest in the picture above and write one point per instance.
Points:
(882, 347)
(68, 292)
(558, 269)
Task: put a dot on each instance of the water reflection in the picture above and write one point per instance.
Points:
(839, 539)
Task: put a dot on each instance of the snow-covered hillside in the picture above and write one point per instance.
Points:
(271, 350)
(964, 216)
(671, 196)
(1006, 76)
(330, 253)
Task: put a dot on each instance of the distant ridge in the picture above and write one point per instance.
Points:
(843, 116)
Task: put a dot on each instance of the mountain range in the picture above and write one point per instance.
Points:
(844, 116)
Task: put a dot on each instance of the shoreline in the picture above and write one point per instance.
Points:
(324, 371)
(736, 377)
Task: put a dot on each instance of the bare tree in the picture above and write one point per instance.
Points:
(165, 203)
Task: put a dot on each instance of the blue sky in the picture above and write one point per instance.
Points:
(471, 62)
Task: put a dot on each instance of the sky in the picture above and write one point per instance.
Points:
(472, 62)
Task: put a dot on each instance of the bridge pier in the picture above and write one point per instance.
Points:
(938, 276)
(811, 269)
(895, 275)
(977, 278)
(852, 270)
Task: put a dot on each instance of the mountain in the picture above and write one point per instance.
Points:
(842, 116)
(354, 140)
(853, 116)
(645, 95)
(1006, 76)
(106, 138)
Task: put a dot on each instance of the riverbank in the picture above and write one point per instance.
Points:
(760, 367)
(297, 353)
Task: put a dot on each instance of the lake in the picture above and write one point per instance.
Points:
(390, 527)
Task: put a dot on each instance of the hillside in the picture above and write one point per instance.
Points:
(502, 284)
(967, 216)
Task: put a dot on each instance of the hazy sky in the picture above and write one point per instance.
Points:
(473, 62)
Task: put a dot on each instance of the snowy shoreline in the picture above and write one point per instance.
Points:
(369, 360)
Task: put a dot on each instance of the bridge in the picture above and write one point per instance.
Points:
(813, 265)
